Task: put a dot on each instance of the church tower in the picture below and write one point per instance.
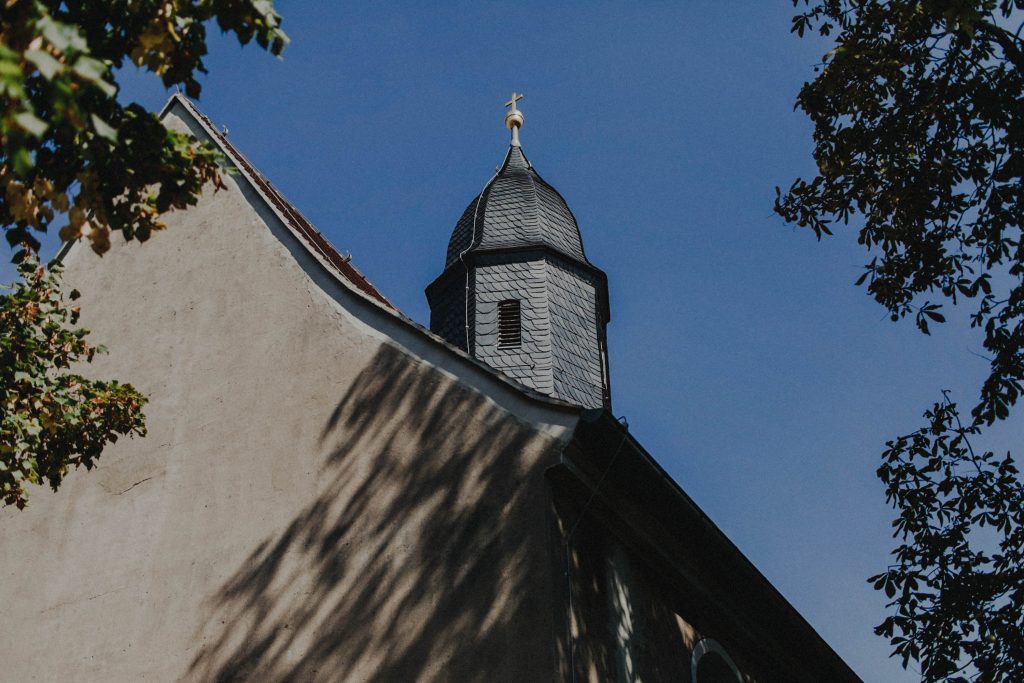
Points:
(517, 290)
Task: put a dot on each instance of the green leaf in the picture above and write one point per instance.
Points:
(31, 124)
(103, 129)
(63, 37)
(22, 161)
(48, 65)
(95, 72)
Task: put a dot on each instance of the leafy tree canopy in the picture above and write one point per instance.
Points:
(69, 145)
(918, 116)
(72, 153)
(50, 418)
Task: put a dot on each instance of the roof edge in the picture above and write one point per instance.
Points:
(599, 430)
(297, 223)
(532, 251)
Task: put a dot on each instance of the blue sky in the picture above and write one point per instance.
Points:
(741, 353)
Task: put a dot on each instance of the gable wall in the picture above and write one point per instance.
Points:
(324, 493)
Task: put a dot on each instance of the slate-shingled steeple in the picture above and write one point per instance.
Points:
(517, 290)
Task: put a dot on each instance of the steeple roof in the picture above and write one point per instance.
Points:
(516, 209)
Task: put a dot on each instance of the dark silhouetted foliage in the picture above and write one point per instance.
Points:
(918, 116)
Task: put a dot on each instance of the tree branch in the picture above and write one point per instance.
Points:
(1006, 41)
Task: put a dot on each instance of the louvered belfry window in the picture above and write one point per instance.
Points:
(510, 324)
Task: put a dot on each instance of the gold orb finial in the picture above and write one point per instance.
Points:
(514, 117)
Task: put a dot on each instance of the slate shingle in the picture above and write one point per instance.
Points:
(516, 209)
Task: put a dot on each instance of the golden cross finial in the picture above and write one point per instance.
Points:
(514, 117)
(512, 103)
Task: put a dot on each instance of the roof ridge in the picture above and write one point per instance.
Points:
(532, 175)
(290, 215)
(474, 238)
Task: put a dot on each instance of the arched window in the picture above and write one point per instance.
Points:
(510, 324)
(710, 663)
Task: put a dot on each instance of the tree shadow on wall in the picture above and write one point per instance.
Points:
(424, 554)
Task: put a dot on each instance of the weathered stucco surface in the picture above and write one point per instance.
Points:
(324, 494)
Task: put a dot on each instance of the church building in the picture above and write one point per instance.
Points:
(329, 491)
